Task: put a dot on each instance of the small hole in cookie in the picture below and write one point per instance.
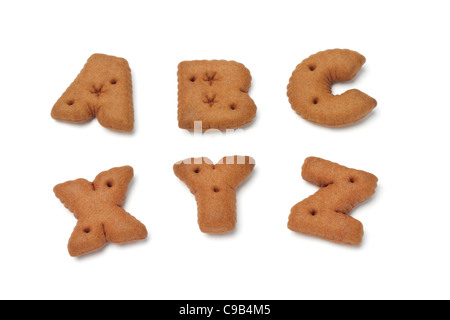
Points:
(114, 81)
(233, 107)
(192, 79)
(197, 170)
(315, 101)
(70, 102)
(215, 189)
(109, 184)
(351, 180)
(312, 67)
(313, 212)
(87, 230)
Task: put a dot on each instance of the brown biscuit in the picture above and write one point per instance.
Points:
(98, 208)
(214, 187)
(310, 94)
(103, 89)
(215, 93)
(325, 214)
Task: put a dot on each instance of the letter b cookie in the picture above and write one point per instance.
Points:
(215, 93)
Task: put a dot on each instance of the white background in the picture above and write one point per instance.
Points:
(405, 250)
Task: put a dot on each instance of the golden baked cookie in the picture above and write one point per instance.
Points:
(310, 94)
(98, 207)
(215, 94)
(103, 89)
(214, 187)
(326, 213)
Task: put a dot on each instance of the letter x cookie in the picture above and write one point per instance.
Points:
(98, 208)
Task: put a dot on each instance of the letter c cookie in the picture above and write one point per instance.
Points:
(310, 94)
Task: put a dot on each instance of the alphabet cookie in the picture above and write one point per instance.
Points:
(214, 187)
(215, 94)
(98, 208)
(310, 94)
(325, 214)
(103, 89)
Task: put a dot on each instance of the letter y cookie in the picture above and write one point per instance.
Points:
(214, 187)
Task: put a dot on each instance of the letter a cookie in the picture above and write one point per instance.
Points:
(215, 94)
(214, 187)
(103, 89)
(98, 208)
(325, 214)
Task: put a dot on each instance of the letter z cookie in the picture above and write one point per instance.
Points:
(215, 93)
(98, 207)
(214, 187)
(103, 89)
(310, 94)
(325, 214)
